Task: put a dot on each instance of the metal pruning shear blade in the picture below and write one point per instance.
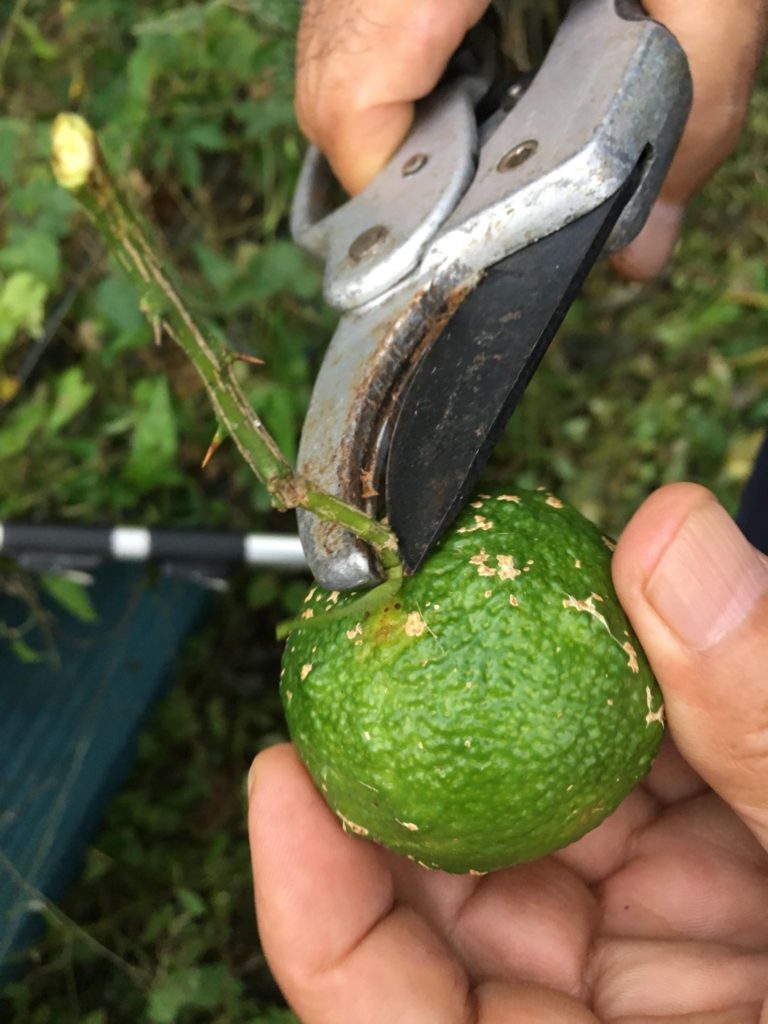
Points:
(455, 267)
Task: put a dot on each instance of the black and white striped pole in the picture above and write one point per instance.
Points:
(66, 546)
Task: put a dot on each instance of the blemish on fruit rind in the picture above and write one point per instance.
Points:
(658, 714)
(507, 568)
(477, 874)
(305, 670)
(308, 613)
(357, 631)
(632, 656)
(408, 824)
(608, 543)
(310, 595)
(351, 826)
(480, 560)
(587, 606)
(414, 624)
(508, 497)
(481, 523)
(553, 502)
(513, 601)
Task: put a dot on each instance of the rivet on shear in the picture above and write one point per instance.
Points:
(414, 164)
(517, 155)
(368, 242)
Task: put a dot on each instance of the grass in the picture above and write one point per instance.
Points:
(647, 384)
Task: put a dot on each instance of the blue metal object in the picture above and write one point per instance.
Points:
(67, 732)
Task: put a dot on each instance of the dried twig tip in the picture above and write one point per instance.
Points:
(74, 150)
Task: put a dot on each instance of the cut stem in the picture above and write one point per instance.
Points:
(80, 167)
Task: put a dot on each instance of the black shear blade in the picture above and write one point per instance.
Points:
(467, 384)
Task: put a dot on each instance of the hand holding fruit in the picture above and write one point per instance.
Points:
(659, 912)
(362, 64)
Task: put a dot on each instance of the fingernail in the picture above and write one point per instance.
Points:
(709, 578)
(251, 780)
(647, 254)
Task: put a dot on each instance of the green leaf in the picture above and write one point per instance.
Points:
(206, 135)
(191, 902)
(40, 46)
(24, 652)
(23, 423)
(22, 305)
(221, 272)
(281, 266)
(117, 305)
(198, 988)
(182, 20)
(34, 251)
(155, 441)
(39, 200)
(72, 596)
(260, 117)
(11, 131)
(73, 393)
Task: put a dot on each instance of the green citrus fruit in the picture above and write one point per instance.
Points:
(496, 709)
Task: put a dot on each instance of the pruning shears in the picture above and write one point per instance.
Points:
(455, 267)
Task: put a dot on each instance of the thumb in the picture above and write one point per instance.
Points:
(697, 594)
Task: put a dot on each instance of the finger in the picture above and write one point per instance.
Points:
(689, 889)
(707, 820)
(723, 43)
(697, 595)
(671, 779)
(533, 922)
(361, 64)
(340, 948)
(500, 1002)
(637, 976)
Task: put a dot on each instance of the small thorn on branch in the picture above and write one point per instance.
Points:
(246, 357)
(213, 447)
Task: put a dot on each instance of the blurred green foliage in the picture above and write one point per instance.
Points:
(647, 384)
(194, 107)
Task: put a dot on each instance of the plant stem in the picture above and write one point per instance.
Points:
(79, 166)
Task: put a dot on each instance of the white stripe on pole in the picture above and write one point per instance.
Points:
(274, 551)
(2, 536)
(130, 543)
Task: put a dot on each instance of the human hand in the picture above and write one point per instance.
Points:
(362, 64)
(659, 915)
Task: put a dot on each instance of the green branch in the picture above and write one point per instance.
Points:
(80, 167)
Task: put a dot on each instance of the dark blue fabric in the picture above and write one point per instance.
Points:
(67, 728)
(753, 514)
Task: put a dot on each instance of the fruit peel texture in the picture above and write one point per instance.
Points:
(498, 709)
